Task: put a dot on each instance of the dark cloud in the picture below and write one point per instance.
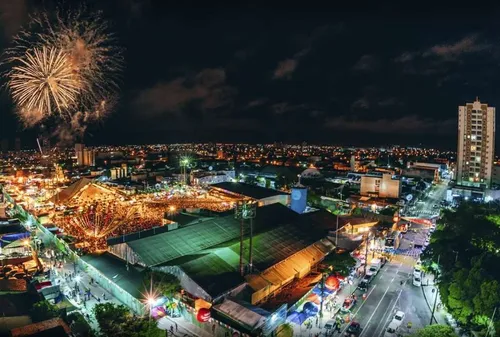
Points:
(403, 125)
(366, 63)
(208, 87)
(468, 44)
(285, 69)
(447, 51)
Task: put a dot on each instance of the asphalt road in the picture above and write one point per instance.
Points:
(393, 289)
(425, 206)
(386, 296)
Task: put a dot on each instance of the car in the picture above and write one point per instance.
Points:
(417, 273)
(417, 282)
(427, 241)
(354, 329)
(398, 318)
(330, 325)
(349, 302)
(372, 271)
(391, 329)
(363, 285)
(367, 278)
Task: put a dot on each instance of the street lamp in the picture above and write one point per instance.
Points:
(151, 301)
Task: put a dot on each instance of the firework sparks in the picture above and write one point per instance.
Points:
(43, 82)
(64, 66)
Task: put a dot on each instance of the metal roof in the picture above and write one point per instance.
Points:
(188, 240)
(252, 191)
(208, 233)
(115, 269)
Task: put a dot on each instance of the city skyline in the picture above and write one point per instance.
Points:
(286, 81)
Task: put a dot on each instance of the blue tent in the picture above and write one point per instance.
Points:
(310, 309)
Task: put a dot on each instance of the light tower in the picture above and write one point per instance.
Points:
(246, 209)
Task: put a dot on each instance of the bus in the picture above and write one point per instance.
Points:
(392, 241)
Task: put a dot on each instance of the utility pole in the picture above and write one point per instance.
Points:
(250, 249)
(242, 270)
(322, 294)
(436, 297)
(366, 250)
(337, 233)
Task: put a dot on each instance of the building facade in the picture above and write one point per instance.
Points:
(476, 144)
(84, 156)
(380, 186)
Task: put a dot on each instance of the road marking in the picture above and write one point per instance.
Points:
(391, 312)
(375, 310)
(354, 315)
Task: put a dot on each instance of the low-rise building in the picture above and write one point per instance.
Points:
(264, 196)
(382, 186)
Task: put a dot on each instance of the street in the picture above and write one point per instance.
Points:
(425, 207)
(393, 290)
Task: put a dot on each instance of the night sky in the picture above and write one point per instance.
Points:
(257, 74)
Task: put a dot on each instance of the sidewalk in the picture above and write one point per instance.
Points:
(67, 285)
(430, 297)
(184, 328)
(346, 291)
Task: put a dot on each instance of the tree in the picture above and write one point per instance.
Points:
(466, 243)
(79, 326)
(111, 317)
(116, 320)
(341, 263)
(43, 310)
(388, 211)
(313, 199)
(435, 331)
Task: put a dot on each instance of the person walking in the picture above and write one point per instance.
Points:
(176, 327)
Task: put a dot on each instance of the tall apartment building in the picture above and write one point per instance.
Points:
(476, 144)
(84, 156)
(79, 154)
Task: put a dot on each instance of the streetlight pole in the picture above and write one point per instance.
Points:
(337, 233)
(322, 296)
(366, 250)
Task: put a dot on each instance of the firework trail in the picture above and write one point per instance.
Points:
(64, 66)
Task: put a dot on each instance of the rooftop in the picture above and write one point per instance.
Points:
(116, 270)
(248, 190)
(275, 239)
(207, 233)
(54, 327)
(11, 285)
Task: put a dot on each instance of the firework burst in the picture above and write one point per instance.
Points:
(43, 82)
(65, 66)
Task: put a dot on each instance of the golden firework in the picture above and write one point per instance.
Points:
(43, 83)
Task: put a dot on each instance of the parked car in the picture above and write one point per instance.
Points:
(363, 285)
(372, 271)
(349, 302)
(353, 330)
(330, 325)
(417, 281)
